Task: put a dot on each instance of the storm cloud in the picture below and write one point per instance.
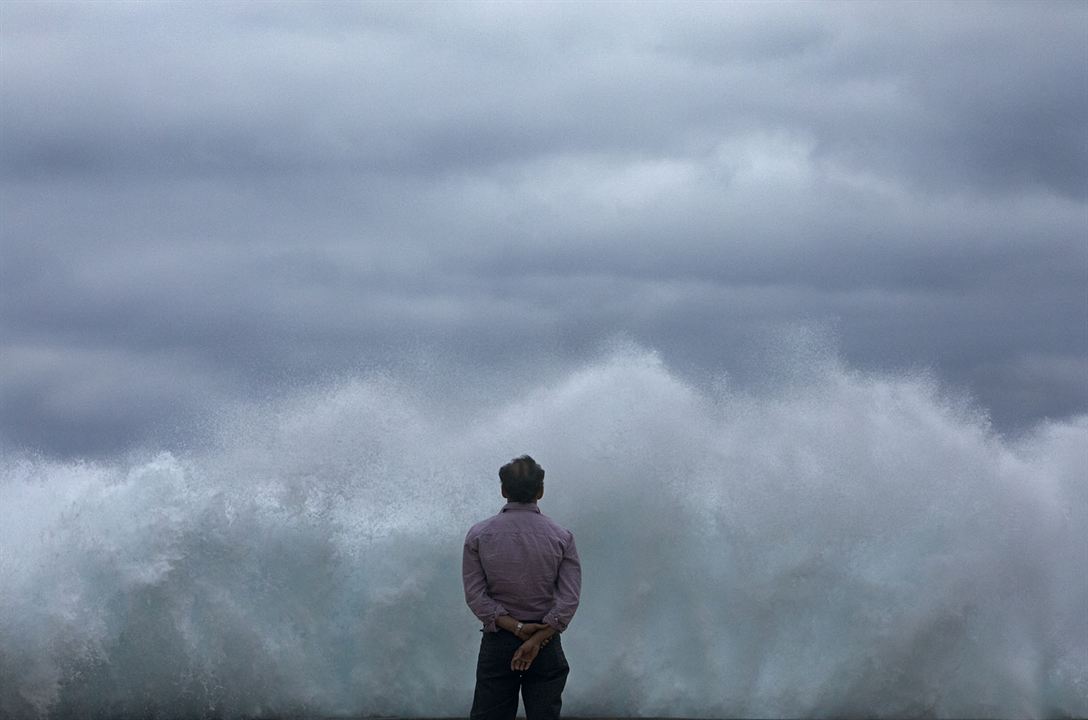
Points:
(204, 204)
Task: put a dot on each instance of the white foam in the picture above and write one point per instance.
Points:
(842, 544)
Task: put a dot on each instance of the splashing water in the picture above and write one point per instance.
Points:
(841, 544)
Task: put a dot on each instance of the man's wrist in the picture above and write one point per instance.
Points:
(543, 635)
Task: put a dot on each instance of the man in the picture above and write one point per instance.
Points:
(522, 580)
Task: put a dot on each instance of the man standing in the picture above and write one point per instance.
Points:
(522, 580)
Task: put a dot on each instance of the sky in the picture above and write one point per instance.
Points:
(207, 204)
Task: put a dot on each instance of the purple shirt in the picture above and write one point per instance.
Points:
(522, 564)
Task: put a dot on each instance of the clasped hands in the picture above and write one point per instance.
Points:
(534, 637)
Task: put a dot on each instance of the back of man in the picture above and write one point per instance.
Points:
(522, 579)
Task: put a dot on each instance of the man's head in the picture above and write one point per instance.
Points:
(522, 480)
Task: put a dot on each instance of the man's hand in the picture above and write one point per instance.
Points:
(529, 629)
(534, 637)
(525, 655)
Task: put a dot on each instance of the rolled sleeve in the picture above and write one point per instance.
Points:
(475, 581)
(568, 588)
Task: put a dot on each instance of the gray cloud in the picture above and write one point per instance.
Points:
(978, 94)
(202, 203)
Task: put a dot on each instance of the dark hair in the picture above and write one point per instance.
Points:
(522, 479)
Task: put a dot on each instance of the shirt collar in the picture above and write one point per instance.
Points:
(520, 507)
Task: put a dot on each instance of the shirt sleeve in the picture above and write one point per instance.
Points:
(568, 588)
(479, 601)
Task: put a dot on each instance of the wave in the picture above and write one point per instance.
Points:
(836, 544)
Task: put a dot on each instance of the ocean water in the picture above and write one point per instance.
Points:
(832, 544)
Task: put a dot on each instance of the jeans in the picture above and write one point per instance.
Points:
(497, 685)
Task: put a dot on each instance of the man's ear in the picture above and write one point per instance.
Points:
(540, 494)
(504, 493)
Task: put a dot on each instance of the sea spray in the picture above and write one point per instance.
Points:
(835, 544)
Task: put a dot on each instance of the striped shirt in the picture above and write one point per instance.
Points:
(523, 564)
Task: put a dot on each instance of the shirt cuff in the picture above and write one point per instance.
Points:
(552, 621)
(489, 624)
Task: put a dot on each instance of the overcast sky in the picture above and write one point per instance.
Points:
(204, 203)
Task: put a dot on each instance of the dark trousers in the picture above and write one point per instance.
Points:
(497, 685)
